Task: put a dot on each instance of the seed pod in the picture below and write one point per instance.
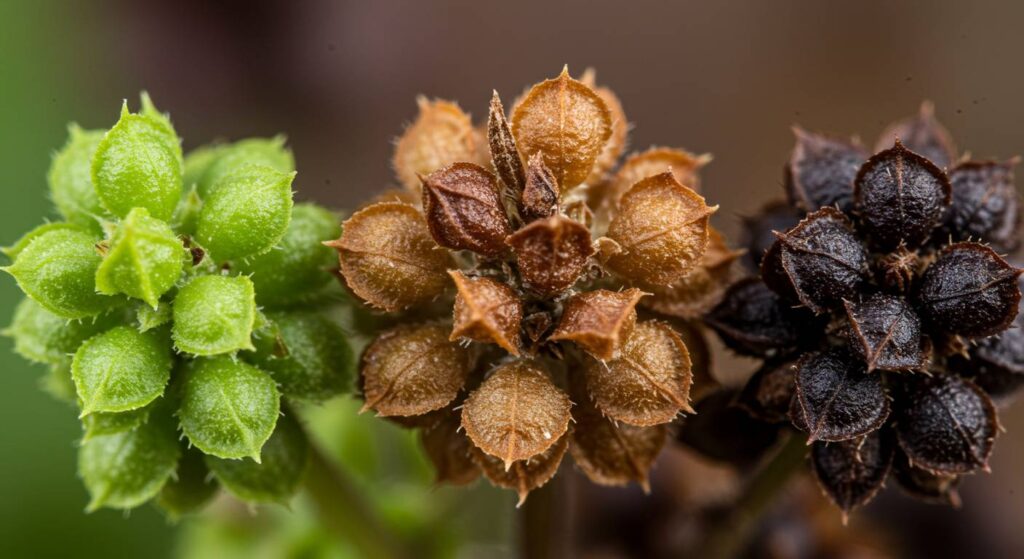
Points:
(551, 253)
(837, 398)
(662, 227)
(610, 453)
(599, 321)
(757, 233)
(767, 394)
(298, 268)
(996, 364)
(389, 259)
(620, 130)
(886, 333)
(121, 369)
(70, 178)
(985, 204)
(702, 288)
(969, 291)
(523, 475)
(214, 315)
(267, 152)
(852, 472)
(821, 170)
(720, 430)
(58, 384)
(486, 311)
(191, 488)
(450, 451)
(144, 261)
(504, 153)
(821, 259)
(567, 122)
(464, 211)
(44, 337)
(412, 370)
(923, 134)
(648, 383)
(900, 197)
(99, 424)
(945, 424)
(274, 479)
(198, 162)
(540, 195)
(228, 408)
(921, 484)
(441, 135)
(753, 320)
(517, 413)
(57, 269)
(685, 168)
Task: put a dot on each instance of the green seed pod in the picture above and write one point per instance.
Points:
(199, 161)
(214, 315)
(247, 214)
(57, 383)
(228, 408)
(150, 318)
(307, 354)
(122, 369)
(44, 337)
(126, 469)
(297, 269)
(144, 260)
(186, 216)
(70, 178)
(57, 268)
(276, 478)
(14, 250)
(260, 151)
(191, 488)
(139, 165)
(100, 424)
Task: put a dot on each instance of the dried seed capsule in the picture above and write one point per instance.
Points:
(923, 134)
(276, 477)
(821, 170)
(768, 393)
(412, 370)
(985, 205)
(599, 321)
(969, 291)
(886, 333)
(214, 315)
(702, 288)
(523, 476)
(517, 413)
(648, 382)
(267, 152)
(441, 135)
(191, 488)
(504, 153)
(567, 122)
(121, 369)
(70, 178)
(757, 234)
(620, 130)
(450, 451)
(837, 398)
(822, 260)
(685, 167)
(720, 430)
(610, 453)
(754, 320)
(900, 197)
(144, 260)
(540, 195)
(486, 311)
(389, 259)
(551, 253)
(44, 337)
(662, 227)
(463, 207)
(930, 487)
(996, 364)
(852, 472)
(945, 423)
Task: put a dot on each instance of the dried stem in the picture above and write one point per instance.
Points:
(546, 519)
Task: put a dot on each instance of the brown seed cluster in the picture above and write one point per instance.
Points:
(525, 275)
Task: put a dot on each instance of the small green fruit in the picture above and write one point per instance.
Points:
(276, 478)
(70, 178)
(269, 152)
(144, 260)
(214, 315)
(191, 488)
(43, 337)
(122, 369)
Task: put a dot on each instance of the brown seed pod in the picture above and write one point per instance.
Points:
(821, 170)
(662, 227)
(838, 399)
(886, 333)
(486, 311)
(685, 167)
(922, 134)
(388, 257)
(450, 451)
(852, 472)
(614, 454)
(599, 321)
(620, 129)
(648, 383)
(517, 413)
(551, 253)
(504, 153)
(463, 207)
(567, 122)
(411, 370)
(540, 196)
(441, 135)
(523, 475)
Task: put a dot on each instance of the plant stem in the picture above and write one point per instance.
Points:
(345, 511)
(731, 534)
(545, 520)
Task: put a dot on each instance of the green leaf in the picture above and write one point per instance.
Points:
(100, 424)
(126, 469)
(307, 354)
(277, 477)
(260, 151)
(247, 214)
(44, 337)
(144, 260)
(191, 488)
(214, 315)
(122, 369)
(70, 178)
(294, 271)
(57, 268)
(150, 318)
(228, 408)
(139, 165)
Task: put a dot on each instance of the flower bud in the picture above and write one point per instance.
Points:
(486, 311)
(464, 211)
(551, 253)
(441, 135)
(599, 321)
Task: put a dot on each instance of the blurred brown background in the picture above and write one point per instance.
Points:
(729, 78)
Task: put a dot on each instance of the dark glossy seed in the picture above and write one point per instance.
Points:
(923, 485)
(886, 333)
(754, 320)
(821, 170)
(852, 472)
(986, 205)
(838, 398)
(768, 393)
(757, 233)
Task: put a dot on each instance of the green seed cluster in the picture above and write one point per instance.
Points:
(179, 299)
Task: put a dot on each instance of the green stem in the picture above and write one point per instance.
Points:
(730, 536)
